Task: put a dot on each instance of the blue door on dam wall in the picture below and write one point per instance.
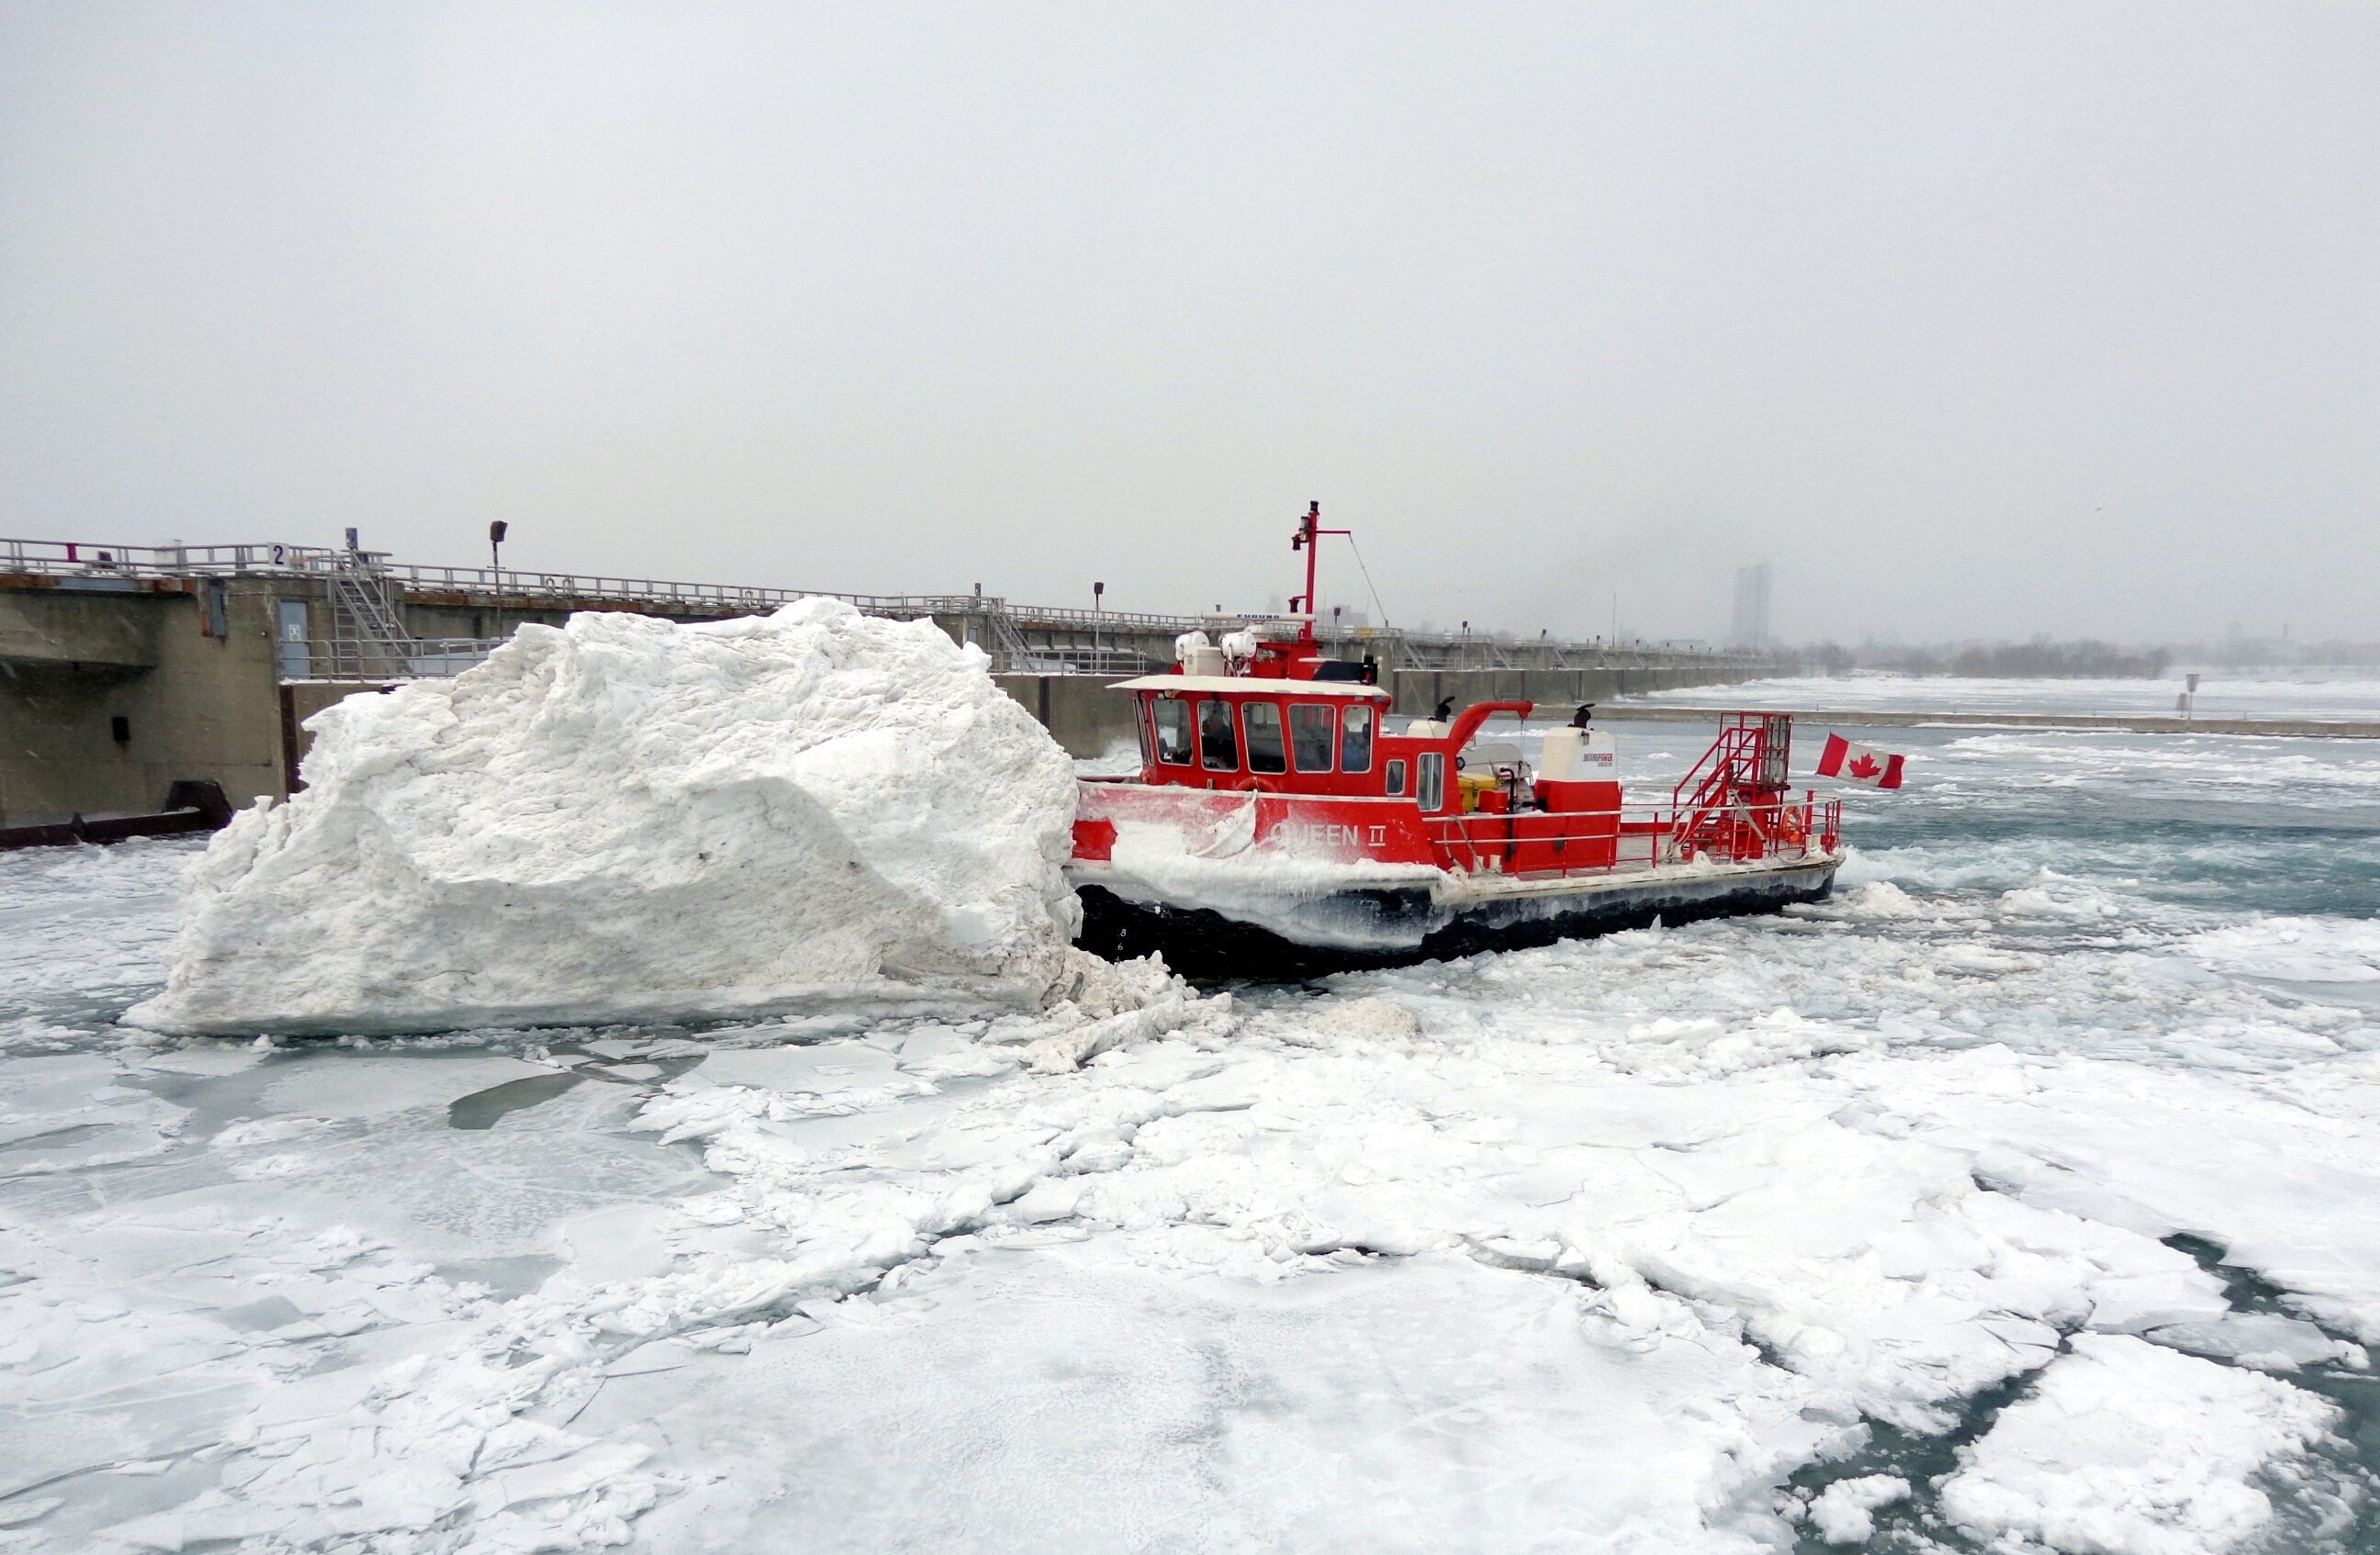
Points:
(297, 653)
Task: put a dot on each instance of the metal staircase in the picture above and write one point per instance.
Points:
(1729, 806)
(369, 640)
(1008, 648)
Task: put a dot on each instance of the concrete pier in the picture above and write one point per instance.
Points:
(108, 697)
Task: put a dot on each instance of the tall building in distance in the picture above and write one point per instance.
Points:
(1751, 629)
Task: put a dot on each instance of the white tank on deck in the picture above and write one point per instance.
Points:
(1578, 755)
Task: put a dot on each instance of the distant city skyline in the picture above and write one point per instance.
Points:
(1749, 628)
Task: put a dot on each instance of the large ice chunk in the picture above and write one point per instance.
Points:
(628, 819)
(2127, 1449)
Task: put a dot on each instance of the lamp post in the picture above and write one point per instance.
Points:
(496, 533)
(1099, 595)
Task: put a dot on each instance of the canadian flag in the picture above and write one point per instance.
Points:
(1859, 764)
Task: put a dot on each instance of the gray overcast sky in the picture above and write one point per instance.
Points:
(1973, 319)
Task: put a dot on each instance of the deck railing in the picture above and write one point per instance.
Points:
(1479, 842)
(1648, 836)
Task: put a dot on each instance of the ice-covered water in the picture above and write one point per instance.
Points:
(2345, 696)
(2026, 1196)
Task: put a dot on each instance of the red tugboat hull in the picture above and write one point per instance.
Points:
(1383, 926)
(1278, 826)
(1226, 884)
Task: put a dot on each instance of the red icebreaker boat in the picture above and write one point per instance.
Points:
(1276, 825)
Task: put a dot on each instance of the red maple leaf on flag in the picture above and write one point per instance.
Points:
(1865, 767)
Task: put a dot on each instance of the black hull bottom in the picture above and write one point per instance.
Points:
(1208, 947)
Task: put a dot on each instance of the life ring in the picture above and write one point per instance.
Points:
(1255, 786)
(1794, 835)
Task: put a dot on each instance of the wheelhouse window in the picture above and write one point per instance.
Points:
(1140, 728)
(1433, 779)
(1173, 716)
(1311, 734)
(1219, 743)
(1397, 778)
(1261, 720)
(1356, 739)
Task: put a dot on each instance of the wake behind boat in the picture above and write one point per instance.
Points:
(1277, 827)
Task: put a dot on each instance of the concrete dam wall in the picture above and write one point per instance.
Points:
(124, 669)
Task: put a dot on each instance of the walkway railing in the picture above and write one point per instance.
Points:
(1117, 662)
(1008, 637)
(377, 663)
(77, 559)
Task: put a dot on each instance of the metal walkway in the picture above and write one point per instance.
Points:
(369, 640)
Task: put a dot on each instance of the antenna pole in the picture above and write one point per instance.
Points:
(1308, 539)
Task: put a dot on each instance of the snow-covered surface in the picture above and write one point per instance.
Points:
(2343, 695)
(624, 818)
(2129, 1449)
(1844, 1512)
(2038, 1172)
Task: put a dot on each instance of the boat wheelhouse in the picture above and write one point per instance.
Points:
(1279, 823)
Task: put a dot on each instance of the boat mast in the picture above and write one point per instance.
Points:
(1309, 534)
